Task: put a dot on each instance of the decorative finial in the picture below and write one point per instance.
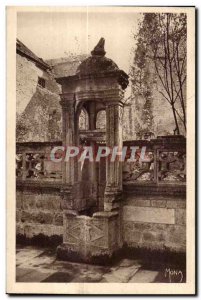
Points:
(99, 48)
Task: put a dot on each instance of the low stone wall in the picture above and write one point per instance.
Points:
(148, 222)
(39, 218)
(155, 223)
(39, 213)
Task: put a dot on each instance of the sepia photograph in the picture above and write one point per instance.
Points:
(101, 112)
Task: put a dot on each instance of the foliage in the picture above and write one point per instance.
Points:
(161, 41)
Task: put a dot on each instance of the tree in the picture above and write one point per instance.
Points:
(161, 39)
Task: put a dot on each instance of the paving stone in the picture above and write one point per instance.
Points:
(41, 262)
(128, 262)
(121, 275)
(27, 255)
(58, 265)
(32, 276)
(88, 277)
(20, 272)
(29, 251)
(59, 277)
(115, 268)
(144, 276)
(36, 265)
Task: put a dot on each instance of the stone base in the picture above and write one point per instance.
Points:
(67, 254)
(94, 239)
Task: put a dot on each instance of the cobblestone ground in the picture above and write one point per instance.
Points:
(40, 265)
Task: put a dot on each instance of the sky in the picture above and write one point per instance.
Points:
(57, 34)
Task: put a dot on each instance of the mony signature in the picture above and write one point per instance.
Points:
(174, 275)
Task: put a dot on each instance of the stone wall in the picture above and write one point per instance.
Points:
(38, 108)
(39, 218)
(155, 223)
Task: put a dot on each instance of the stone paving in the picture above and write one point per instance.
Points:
(40, 265)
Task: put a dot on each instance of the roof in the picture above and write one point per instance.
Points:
(65, 66)
(25, 51)
(93, 65)
(97, 63)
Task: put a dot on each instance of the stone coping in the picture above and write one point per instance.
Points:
(99, 214)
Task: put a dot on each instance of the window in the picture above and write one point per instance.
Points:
(41, 82)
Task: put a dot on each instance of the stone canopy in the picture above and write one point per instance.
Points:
(97, 62)
(98, 65)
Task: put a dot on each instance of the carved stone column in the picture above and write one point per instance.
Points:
(68, 139)
(113, 191)
(92, 116)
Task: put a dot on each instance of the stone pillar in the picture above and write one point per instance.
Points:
(92, 126)
(68, 131)
(113, 191)
(92, 165)
(92, 116)
(68, 139)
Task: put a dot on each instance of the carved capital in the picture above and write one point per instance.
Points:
(67, 96)
(114, 102)
(67, 100)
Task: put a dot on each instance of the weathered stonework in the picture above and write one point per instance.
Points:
(149, 214)
(38, 213)
(90, 238)
(42, 214)
(30, 231)
(98, 85)
(44, 123)
(143, 229)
